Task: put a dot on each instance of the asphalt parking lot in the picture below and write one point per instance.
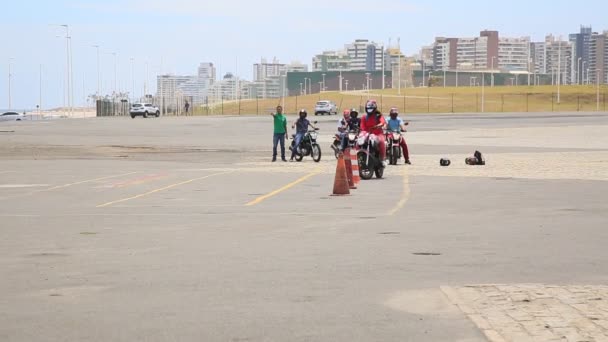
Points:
(182, 229)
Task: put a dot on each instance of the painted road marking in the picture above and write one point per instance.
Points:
(278, 191)
(13, 186)
(161, 189)
(405, 195)
(86, 181)
(66, 186)
(3, 172)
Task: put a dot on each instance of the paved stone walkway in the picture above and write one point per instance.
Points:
(535, 312)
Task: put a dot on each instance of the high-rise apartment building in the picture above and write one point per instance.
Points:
(264, 70)
(488, 51)
(581, 52)
(598, 58)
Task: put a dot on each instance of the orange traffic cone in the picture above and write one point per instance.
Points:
(349, 171)
(341, 187)
(355, 166)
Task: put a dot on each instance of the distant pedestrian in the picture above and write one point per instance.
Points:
(280, 133)
(187, 107)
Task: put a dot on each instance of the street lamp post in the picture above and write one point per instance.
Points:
(323, 89)
(10, 75)
(578, 70)
(132, 77)
(493, 58)
(423, 72)
(346, 81)
(559, 69)
(340, 88)
(98, 73)
(301, 93)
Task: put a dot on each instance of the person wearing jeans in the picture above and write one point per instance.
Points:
(280, 133)
(301, 126)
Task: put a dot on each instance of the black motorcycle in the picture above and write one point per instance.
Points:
(368, 157)
(308, 146)
(352, 142)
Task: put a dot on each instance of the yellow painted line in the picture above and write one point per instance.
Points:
(278, 191)
(87, 181)
(405, 194)
(161, 189)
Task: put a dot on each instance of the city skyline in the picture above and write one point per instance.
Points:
(232, 35)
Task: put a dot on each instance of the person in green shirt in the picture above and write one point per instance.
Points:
(280, 133)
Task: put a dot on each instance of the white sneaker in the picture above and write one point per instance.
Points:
(384, 163)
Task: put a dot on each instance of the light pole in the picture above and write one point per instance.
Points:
(559, 68)
(583, 70)
(423, 72)
(493, 58)
(98, 72)
(483, 93)
(367, 84)
(340, 88)
(578, 71)
(346, 84)
(399, 66)
(301, 93)
(597, 88)
(588, 79)
(10, 75)
(132, 77)
(115, 72)
(323, 89)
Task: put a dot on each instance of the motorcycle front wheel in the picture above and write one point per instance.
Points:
(394, 155)
(316, 153)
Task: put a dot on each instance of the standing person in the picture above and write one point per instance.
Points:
(354, 123)
(280, 133)
(396, 124)
(301, 126)
(187, 107)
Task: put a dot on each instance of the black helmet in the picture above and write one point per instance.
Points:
(354, 113)
(303, 111)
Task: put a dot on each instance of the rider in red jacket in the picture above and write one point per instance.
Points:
(374, 123)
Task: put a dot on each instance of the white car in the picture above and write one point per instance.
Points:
(326, 107)
(144, 109)
(12, 116)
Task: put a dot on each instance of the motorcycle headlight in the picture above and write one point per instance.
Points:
(396, 136)
(352, 136)
(313, 135)
(361, 141)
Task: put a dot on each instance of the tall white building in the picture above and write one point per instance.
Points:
(365, 55)
(207, 71)
(472, 53)
(264, 70)
(297, 67)
(559, 59)
(332, 61)
(513, 54)
(598, 61)
(172, 87)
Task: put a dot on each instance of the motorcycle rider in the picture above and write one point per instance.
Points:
(396, 124)
(343, 127)
(374, 123)
(353, 124)
(301, 125)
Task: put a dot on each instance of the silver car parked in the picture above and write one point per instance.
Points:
(12, 116)
(326, 107)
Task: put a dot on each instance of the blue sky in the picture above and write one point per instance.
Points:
(236, 34)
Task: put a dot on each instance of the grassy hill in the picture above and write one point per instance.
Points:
(434, 100)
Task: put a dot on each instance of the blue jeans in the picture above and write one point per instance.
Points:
(298, 140)
(278, 138)
(344, 139)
